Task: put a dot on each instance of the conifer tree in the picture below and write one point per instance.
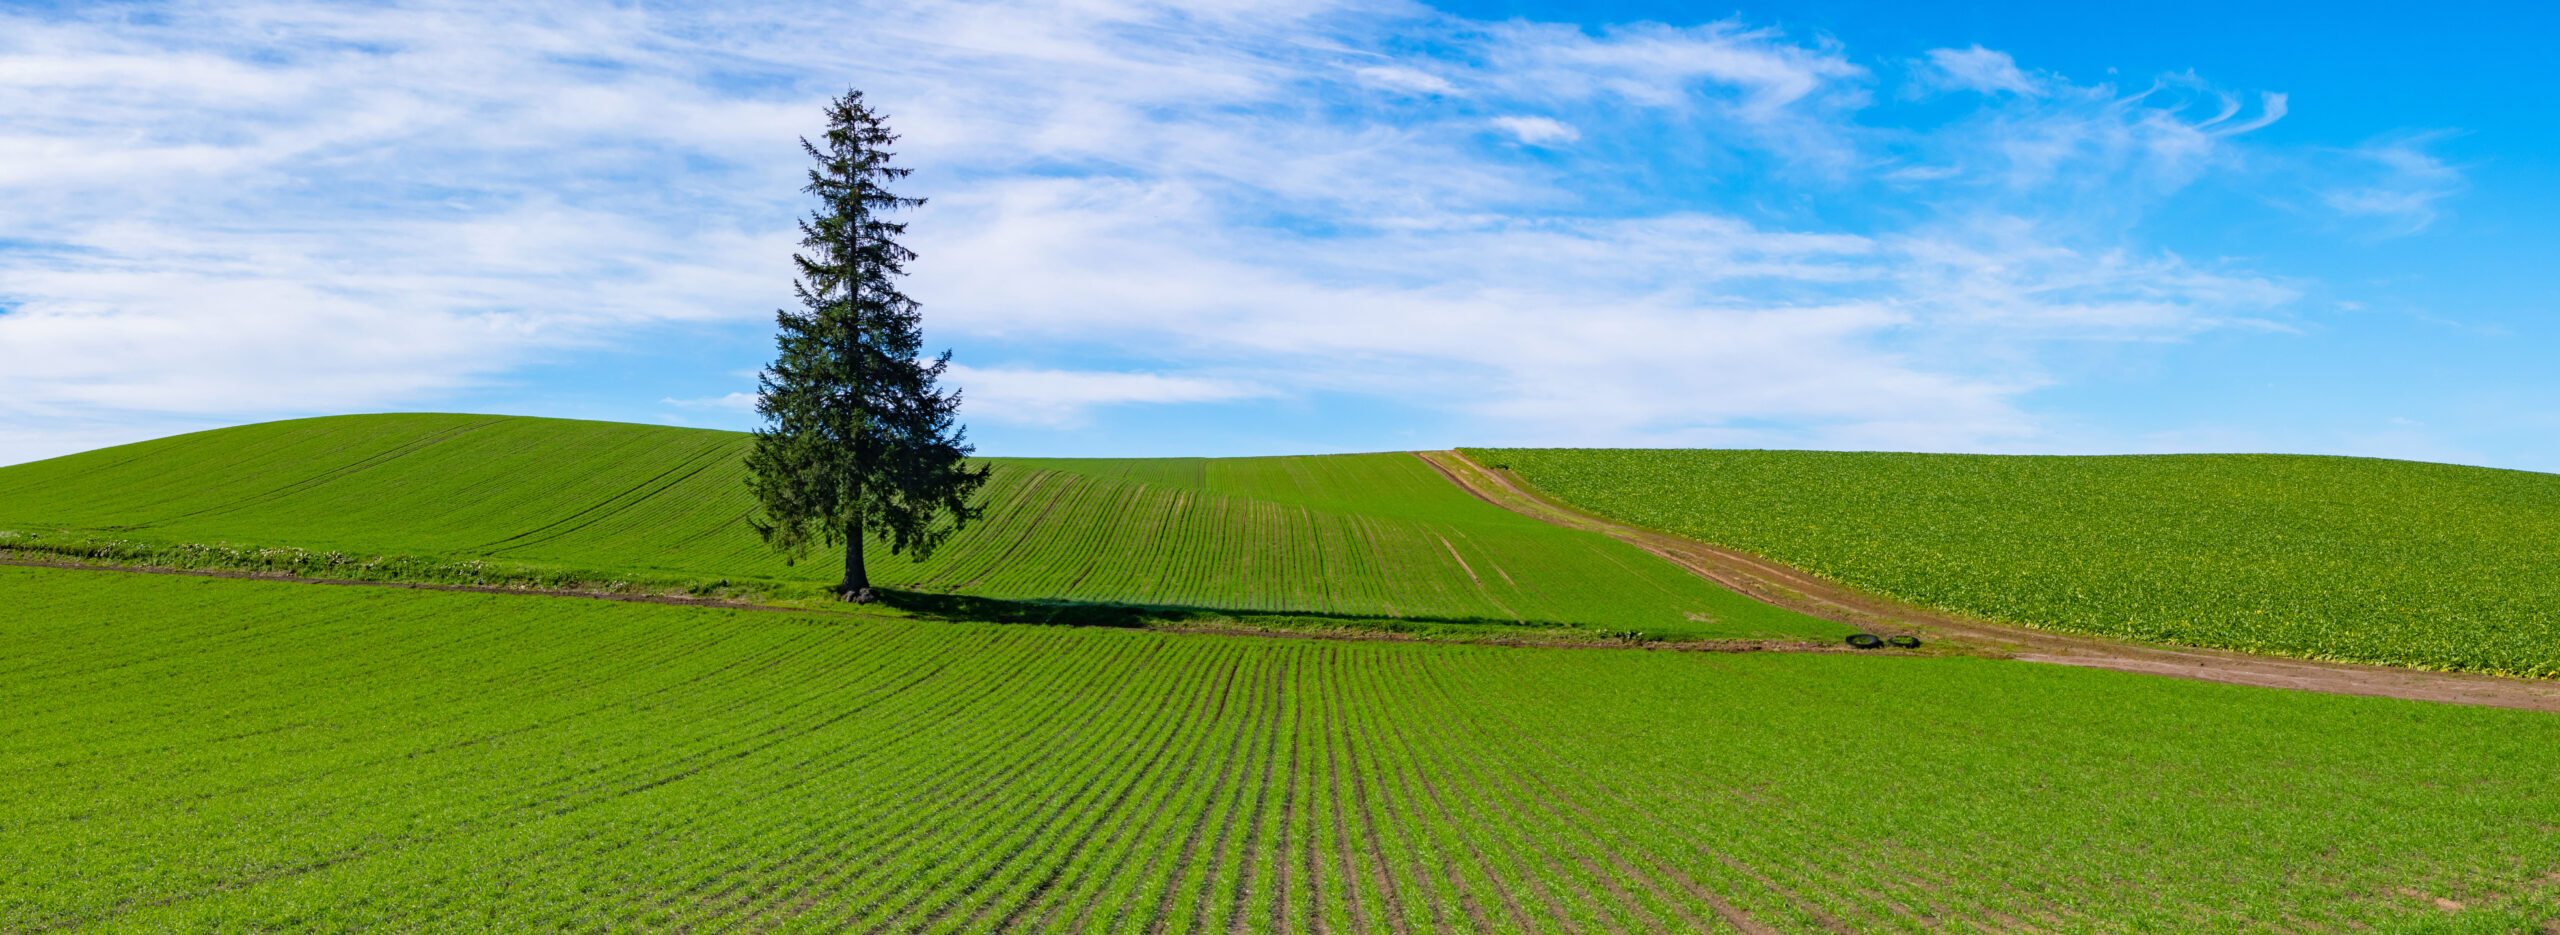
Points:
(858, 438)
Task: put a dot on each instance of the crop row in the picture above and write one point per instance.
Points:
(2352, 559)
(474, 498)
(222, 755)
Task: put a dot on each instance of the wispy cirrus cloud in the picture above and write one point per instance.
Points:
(1400, 78)
(1977, 69)
(2109, 149)
(2401, 185)
(1535, 130)
(1066, 398)
(243, 211)
(730, 402)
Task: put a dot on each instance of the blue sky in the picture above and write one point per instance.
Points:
(1303, 227)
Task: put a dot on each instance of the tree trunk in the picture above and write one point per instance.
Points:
(857, 580)
(856, 586)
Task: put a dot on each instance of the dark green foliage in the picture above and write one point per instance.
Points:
(859, 440)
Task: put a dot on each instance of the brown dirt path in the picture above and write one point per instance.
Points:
(1782, 586)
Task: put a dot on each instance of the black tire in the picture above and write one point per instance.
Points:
(1865, 640)
(1905, 641)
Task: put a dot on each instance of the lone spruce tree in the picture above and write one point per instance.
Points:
(858, 438)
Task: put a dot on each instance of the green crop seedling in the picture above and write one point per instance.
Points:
(467, 499)
(2352, 559)
(398, 760)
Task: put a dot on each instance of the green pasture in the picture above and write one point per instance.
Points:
(2353, 559)
(222, 755)
(1378, 538)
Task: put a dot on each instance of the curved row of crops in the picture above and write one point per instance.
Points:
(1377, 536)
(206, 755)
(2352, 559)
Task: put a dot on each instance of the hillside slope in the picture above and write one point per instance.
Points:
(2351, 559)
(1351, 535)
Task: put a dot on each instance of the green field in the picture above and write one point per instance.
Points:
(2355, 559)
(214, 755)
(1380, 538)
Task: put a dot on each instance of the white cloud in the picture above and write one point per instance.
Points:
(2094, 150)
(2271, 108)
(1405, 79)
(1652, 330)
(1760, 70)
(733, 402)
(1760, 89)
(1066, 398)
(2401, 185)
(1538, 130)
(1979, 69)
(227, 212)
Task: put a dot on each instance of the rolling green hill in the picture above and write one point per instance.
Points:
(1354, 536)
(207, 755)
(2352, 559)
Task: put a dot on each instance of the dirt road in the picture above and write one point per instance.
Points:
(1795, 590)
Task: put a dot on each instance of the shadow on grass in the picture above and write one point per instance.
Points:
(1100, 614)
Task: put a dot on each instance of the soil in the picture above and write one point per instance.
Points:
(1779, 585)
(634, 597)
(1554, 640)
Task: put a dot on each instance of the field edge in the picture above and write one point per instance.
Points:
(1807, 593)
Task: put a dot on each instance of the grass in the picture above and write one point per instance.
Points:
(212, 755)
(2353, 559)
(1378, 540)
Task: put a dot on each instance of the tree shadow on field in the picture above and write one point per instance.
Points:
(1052, 612)
(1001, 610)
